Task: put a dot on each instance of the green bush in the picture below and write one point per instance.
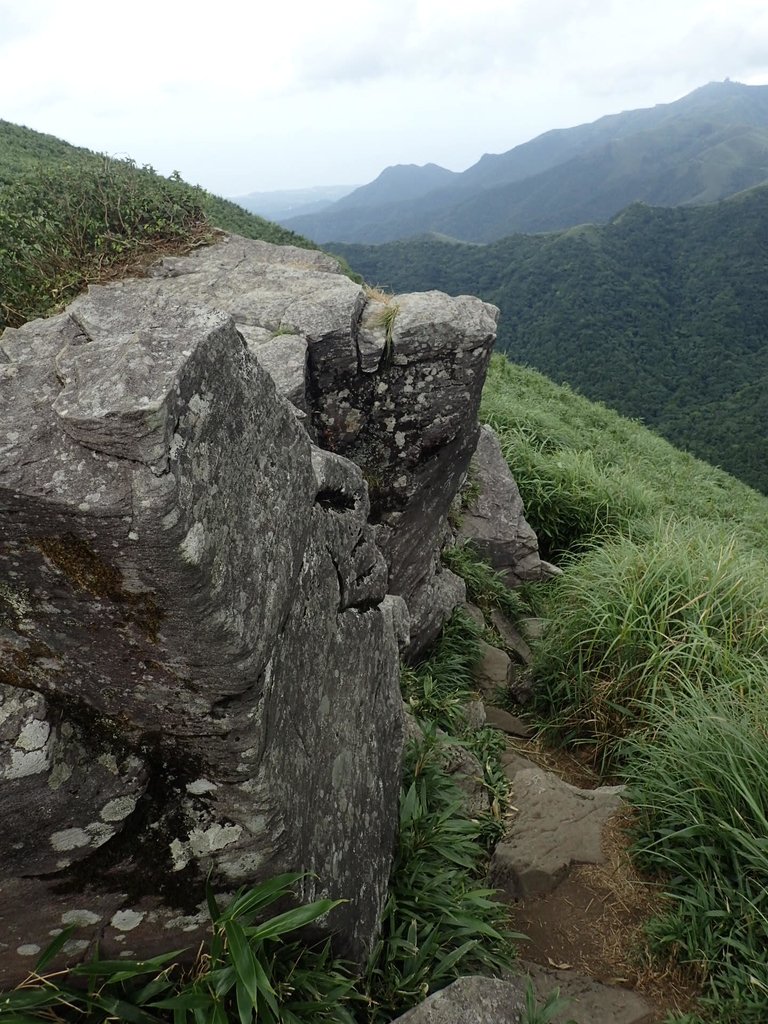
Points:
(485, 586)
(252, 969)
(66, 225)
(439, 922)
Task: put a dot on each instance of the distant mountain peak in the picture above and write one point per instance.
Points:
(398, 183)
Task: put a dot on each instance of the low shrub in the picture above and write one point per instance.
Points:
(72, 217)
(64, 226)
(439, 922)
(252, 969)
(485, 586)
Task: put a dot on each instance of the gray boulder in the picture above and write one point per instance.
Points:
(494, 519)
(199, 671)
(471, 1001)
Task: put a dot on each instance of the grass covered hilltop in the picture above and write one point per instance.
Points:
(654, 667)
(69, 217)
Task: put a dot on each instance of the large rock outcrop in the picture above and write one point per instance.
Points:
(198, 667)
(391, 382)
(198, 656)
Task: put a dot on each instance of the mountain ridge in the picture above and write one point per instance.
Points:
(534, 181)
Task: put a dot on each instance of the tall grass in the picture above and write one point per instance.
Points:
(438, 692)
(699, 784)
(656, 658)
(635, 621)
(439, 687)
(586, 473)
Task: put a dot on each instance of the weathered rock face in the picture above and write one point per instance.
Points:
(402, 403)
(198, 668)
(392, 384)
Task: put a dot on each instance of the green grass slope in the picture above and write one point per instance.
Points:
(69, 216)
(663, 314)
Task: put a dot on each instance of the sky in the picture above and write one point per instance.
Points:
(256, 96)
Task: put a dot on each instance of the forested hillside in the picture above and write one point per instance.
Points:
(703, 147)
(662, 314)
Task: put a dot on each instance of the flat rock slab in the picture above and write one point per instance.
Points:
(557, 825)
(471, 1001)
(514, 763)
(498, 718)
(589, 1001)
(513, 641)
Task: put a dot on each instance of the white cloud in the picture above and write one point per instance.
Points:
(241, 95)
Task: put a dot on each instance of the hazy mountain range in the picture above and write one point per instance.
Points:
(708, 145)
(284, 203)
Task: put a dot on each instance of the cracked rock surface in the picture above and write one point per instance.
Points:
(198, 666)
(392, 383)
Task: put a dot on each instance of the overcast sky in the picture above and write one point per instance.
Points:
(262, 95)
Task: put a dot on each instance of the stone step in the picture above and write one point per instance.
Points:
(556, 825)
(498, 718)
(588, 1001)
